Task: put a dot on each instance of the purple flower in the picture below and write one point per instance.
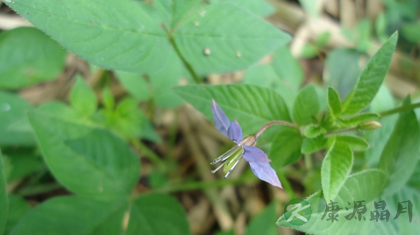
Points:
(244, 148)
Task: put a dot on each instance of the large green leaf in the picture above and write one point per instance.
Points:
(173, 12)
(14, 126)
(261, 8)
(264, 222)
(335, 169)
(149, 215)
(157, 214)
(4, 202)
(223, 37)
(27, 57)
(18, 208)
(238, 101)
(285, 148)
(115, 35)
(87, 160)
(400, 154)
(371, 78)
(364, 186)
(306, 106)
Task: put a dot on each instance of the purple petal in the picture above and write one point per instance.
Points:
(254, 154)
(221, 121)
(235, 132)
(264, 172)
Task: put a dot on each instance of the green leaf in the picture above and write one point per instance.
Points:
(366, 185)
(354, 142)
(87, 160)
(14, 125)
(411, 31)
(312, 7)
(306, 106)
(4, 201)
(135, 85)
(334, 103)
(335, 169)
(74, 215)
(288, 69)
(223, 37)
(154, 214)
(313, 131)
(371, 78)
(263, 222)
(22, 164)
(378, 138)
(400, 154)
(78, 215)
(113, 35)
(82, 98)
(358, 118)
(311, 145)
(238, 101)
(261, 8)
(18, 208)
(108, 99)
(343, 69)
(28, 57)
(383, 100)
(173, 12)
(285, 148)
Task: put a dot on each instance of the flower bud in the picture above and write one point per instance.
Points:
(370, 125)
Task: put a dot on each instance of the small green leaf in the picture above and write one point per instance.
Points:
(371, 78)
(399, 157)
(108, 99)
(334, 103)
(28, 57)
(113, 35)
(4, 201)
(313, 131)
(335, 169)
(82, 98)
(22, 164)
(363, 186)
(263, 222)
(306, 106)
(238, 101)
(285, 148)
(311, 145)
(88, 161)
(354, 142)
(358, 118)
(212, 41)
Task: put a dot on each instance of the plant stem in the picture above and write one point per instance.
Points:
(185, 62)
(275, 122)
(287, 187)
(153, 157)
(400, 109)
